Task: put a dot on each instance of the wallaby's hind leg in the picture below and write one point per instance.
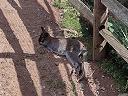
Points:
(83, 55)
(84, 59)
(81, 76)
(76, 64)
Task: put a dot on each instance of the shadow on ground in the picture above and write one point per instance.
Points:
(33, 16)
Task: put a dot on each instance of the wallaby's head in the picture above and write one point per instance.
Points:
(43, 37)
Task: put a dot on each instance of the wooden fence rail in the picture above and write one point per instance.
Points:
(83, 9)
(101, 8)
(117, 9)
(108, 36)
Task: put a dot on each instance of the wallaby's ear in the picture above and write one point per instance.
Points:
(43, 30)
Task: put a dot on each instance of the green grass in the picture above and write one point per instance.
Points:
(59, 4)
(70, 18)
(117, 68)
(119, 30)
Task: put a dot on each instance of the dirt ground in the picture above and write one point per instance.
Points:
(26, 69)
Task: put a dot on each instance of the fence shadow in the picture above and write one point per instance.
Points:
(33, 16)
(24, 77)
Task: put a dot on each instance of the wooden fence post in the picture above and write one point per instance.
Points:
(99, 10)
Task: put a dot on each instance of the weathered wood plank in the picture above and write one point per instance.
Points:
(83, 9)
(99, 10)
(117, 9)
(115, 44)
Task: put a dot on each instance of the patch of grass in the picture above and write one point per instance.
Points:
(70, 19)
(70, 16)
(59, 4)
(117, 68)
(119, 30)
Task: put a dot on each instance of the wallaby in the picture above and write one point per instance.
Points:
(71, 48)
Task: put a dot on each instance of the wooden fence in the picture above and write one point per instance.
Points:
(99, 17)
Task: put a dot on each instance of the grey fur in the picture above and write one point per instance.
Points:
(72, 49)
